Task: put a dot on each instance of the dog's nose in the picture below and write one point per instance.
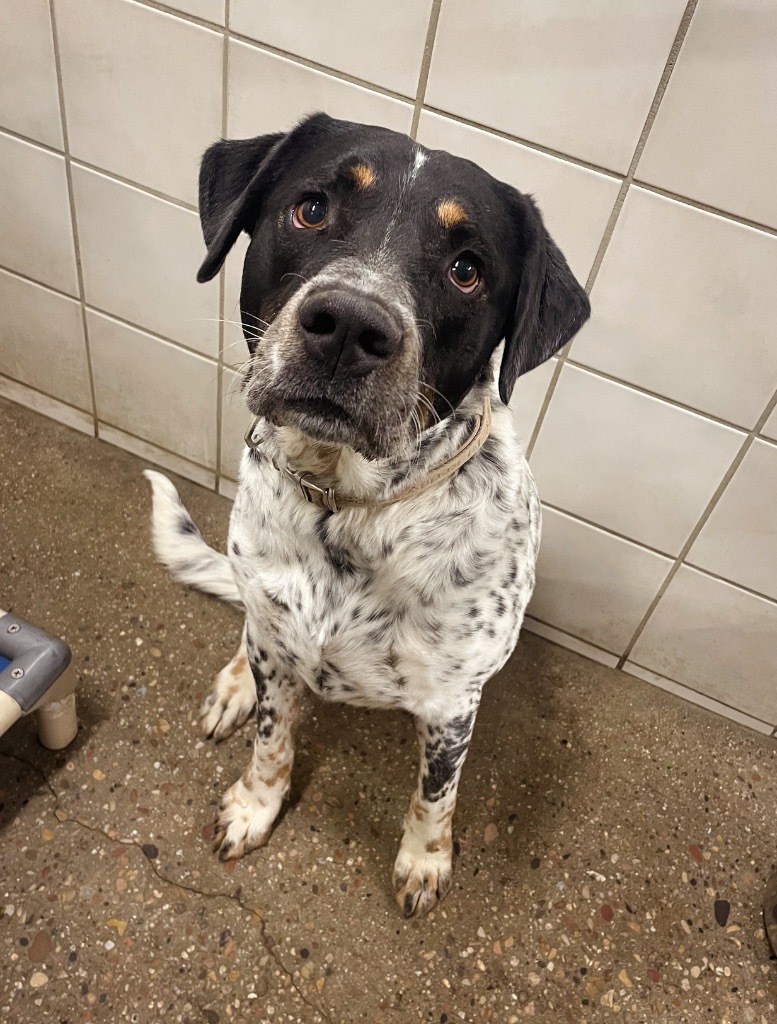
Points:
(343, 329)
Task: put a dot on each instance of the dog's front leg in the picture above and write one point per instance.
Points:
(423, 868)
(249, 807)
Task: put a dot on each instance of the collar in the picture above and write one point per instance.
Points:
(327, 498)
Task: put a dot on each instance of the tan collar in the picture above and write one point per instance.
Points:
(325, 497)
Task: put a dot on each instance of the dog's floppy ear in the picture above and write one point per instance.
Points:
(551, 306)
(235, 174)
(228, 170)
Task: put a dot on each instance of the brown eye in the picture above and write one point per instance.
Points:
(465, 273)
(310, 213)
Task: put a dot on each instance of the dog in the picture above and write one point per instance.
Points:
(384, 535)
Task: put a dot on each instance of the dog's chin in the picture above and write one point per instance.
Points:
(326, 422)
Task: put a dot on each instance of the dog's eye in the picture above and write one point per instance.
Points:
(465, 273)
(310, 213)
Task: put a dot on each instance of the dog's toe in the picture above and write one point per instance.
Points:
(228, 705)
(420, 883)
(243, 823)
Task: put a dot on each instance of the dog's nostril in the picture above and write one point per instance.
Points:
(375, 343)
(321, 323)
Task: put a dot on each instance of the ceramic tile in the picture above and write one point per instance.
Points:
(769, 428)
(269, 93)
(29, 99)
(629, 462)
(527, 399)
(37, 234)
(576, 203)
(142, 91)
(725, 86)
(42, 339)
(591, 584)
(157, 457)
(154, 390)
(739, 540)
(140, 262)
(227, 488)
(208, 10)
(694, 697)
(675, 287)
(380, 43)
(571, 643)
(46, 406)
(577, 78)
(717, 639)
(235, 418)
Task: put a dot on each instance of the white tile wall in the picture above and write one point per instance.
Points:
(715, 638)
(139, 256)
(379, 42)
(142, 91)
(633, 441)
(682, 306)
(268, 93)
(713, 138)
(739, 540)
(154, 390)
(578, 78)
(629, 462)
(36, 237)
(29, 100)
(43, 340)
(592, 584)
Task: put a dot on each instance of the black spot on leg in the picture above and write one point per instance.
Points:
(235, 548)
(444, 755)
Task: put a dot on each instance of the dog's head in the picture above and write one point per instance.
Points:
(380, 276)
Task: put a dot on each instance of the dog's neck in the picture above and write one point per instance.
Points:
(348, 472)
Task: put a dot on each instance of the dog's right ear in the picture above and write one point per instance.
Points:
(228, 171)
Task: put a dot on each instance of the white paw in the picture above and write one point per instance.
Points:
(244, 822)
(422, 875)
(231, 700)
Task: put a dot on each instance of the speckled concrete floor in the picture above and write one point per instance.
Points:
(612, 841)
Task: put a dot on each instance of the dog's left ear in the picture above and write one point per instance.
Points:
(551, 306)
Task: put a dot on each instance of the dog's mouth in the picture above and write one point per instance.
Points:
(321, 419)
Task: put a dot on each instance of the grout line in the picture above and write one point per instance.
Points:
(526, 143)
(72, 205)
(40, 284)
(732, 583)
(29, 139)
(699, 693)
(313, 65)
(609, 229)
(45, 394)
(426, 63)
(608, 530)
(222, 271)
(655, 394)
(705, 207)
(194, 19)
(735, 464)
(152, 444)
(191, 207)
(565, 632)
(151, 332)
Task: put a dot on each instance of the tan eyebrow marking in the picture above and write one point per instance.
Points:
(363, 175)
(450, 213)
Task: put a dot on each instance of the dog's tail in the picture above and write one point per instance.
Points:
(179, 545)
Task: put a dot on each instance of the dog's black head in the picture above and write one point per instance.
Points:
(383, 275)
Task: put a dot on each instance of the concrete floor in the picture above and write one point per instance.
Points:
(613, 841)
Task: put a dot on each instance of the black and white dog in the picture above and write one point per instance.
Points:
(385, 532)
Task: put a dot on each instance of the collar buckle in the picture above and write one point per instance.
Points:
(324, 497)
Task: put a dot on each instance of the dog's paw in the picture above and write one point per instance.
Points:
(421, 879)
(244, 822)
(231, 700)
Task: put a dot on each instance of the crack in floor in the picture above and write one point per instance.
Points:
(232, 897)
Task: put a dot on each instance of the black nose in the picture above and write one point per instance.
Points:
(343, 329)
